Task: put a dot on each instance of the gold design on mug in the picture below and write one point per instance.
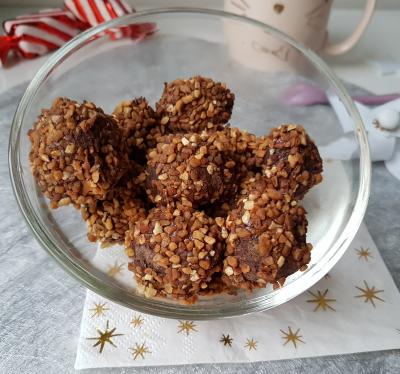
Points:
(278, 8)
(242, 5)
(282, 53)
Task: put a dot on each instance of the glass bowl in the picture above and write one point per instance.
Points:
(190, 42)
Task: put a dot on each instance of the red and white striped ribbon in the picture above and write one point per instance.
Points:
(95, 12)
(37, 34)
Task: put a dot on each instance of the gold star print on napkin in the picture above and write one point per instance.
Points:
(354, 309)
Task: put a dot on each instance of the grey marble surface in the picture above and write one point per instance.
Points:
(40, 306)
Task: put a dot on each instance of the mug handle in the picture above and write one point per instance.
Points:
(347, 44)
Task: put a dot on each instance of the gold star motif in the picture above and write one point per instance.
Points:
(98, 310)
(363, 253)
(226, 339)
(137, 321)
(292, 337)
(369, 294)
(114, 269)
(186, 327)
(104, 337)
(139, 350)
(251, 344)
(321, 301)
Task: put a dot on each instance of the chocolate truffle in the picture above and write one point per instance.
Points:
(194, 104)
(290, 159)
(265, 237)
(108, 219)
(138, 123)
(78, 153)
(174, 251)
(189, 167)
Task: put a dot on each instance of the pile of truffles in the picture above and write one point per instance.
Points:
(201, 207)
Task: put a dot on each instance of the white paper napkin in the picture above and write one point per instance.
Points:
(360, 313)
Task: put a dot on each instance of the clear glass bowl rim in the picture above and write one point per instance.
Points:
(158, 307)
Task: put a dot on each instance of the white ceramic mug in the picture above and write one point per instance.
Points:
(303, 20)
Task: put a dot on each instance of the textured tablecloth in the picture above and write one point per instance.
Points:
(40, 306)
